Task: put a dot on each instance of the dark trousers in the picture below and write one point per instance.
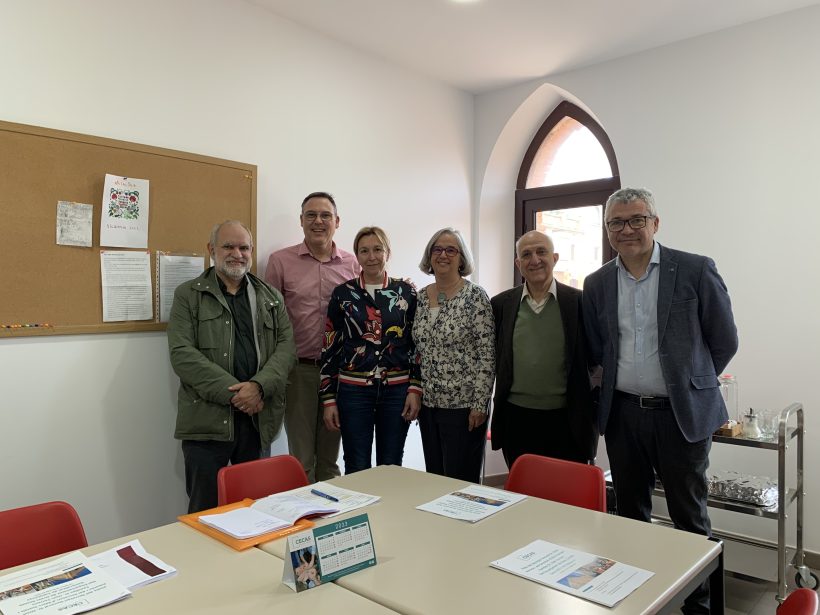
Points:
(540, 432)
(204, 459)
(640, 442)
(363, 408)
(450, 449)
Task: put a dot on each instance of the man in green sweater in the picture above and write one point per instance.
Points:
(542, 402)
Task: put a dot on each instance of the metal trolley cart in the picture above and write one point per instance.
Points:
(790, 426)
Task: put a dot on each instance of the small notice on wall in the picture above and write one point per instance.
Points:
(124, 221)
(74, 224)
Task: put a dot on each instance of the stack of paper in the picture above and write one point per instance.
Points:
(244, 522)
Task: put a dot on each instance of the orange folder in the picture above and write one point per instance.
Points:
(192, 519)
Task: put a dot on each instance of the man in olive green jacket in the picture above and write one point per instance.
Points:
(232, 347)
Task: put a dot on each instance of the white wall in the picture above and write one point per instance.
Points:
(724, 129)
(90, 419)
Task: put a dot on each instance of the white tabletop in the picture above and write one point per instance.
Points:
(429, 564)
(213, 578)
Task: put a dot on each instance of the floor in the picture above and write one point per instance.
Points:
(748, 596)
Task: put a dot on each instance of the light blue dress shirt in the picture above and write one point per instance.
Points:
(639, 368)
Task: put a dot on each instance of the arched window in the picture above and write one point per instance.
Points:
(565, 178)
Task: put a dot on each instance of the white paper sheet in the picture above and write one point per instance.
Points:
(132, 566)
(74, 224)
(68, 585)
(126, 286)
(124, 220)
(587, 576)
(472, 503)
(173, 271)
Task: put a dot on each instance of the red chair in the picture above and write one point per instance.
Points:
(562, 481)
(33, 532)
(800, 602)
(256, 479)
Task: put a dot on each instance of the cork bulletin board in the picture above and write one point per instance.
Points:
(50, 289)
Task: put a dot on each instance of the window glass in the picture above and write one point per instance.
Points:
(576, 233)
(569, 153)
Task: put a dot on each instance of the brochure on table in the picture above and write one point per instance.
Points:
(132, 566)
(326, 553)
(68, 585)
(587, 576)
(472, 503)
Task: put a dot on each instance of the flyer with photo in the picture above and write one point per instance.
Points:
(68, 585)
(472, 503)
(592, 577)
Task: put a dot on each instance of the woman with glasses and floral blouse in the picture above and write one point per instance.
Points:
(370, 375)
(455, 338)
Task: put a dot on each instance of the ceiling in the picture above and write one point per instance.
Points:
(488, 44)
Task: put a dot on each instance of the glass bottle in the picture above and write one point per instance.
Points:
(729, 392)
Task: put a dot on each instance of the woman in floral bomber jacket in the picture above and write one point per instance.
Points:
(370, 377)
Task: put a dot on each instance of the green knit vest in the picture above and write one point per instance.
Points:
(539, 370)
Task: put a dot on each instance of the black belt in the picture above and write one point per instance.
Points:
(645, 401)
(313, 362)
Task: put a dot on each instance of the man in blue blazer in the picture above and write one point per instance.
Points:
(659, 322)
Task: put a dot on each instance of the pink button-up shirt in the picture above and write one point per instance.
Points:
(307, 285)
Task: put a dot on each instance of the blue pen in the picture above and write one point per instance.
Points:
(324, 495)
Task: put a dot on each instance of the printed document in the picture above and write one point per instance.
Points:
(587, 576)
(126, 286)
(68, 585)
(173, 271)
(472, 503)
(132, 566)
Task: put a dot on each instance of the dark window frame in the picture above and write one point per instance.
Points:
(529, 201)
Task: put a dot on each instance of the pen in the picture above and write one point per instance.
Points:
(324, 495)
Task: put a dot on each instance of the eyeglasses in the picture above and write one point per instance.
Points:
(449, 251)
(311, 216)
(613, 226)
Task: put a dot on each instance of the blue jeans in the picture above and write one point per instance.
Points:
(361, 408)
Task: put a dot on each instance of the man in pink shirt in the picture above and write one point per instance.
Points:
(306, 275)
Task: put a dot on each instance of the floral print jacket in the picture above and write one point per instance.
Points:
(367, 339)
(457, 350)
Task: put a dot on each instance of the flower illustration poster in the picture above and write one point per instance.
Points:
(124, 220)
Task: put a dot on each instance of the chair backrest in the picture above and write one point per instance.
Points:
(801, 601)
(33, 532)
(256, 479)
(562, 481)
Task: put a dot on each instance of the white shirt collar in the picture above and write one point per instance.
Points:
(552, 290)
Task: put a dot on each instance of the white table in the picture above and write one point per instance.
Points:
(429, 564)
(214, 579)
